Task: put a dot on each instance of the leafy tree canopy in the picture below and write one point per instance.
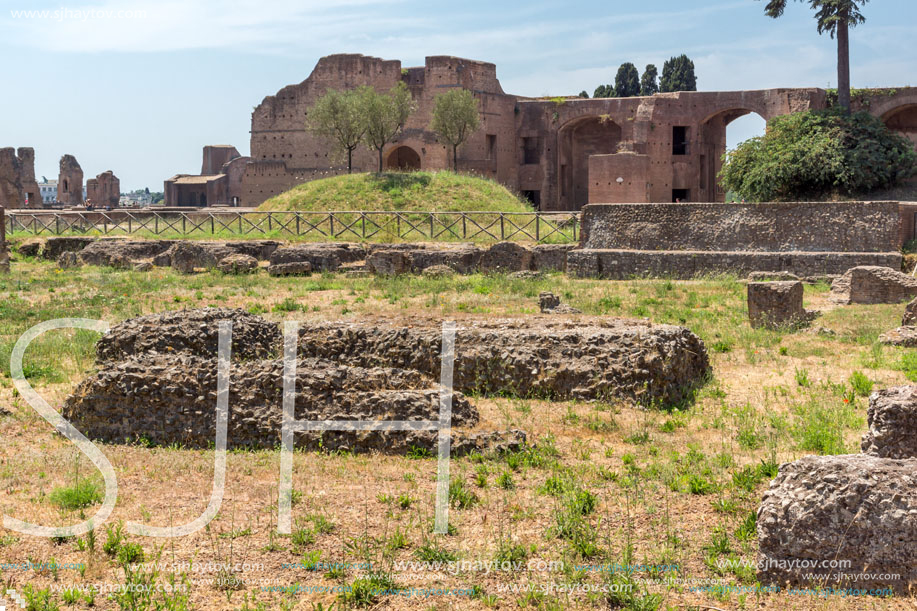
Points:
(455, 117)
(818, 154)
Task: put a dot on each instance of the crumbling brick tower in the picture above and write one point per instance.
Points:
(104, 189)
(70, 182)
(18, 188)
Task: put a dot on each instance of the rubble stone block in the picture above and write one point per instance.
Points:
(775, 304)
(237, 264)
(892, 419)
(506, 257)
(551, 257)
(906, 337)
(910, 313)
(31, 247)
(388, 262)
(300, 268)
(873, 284)
(55, 246)
(855, 513)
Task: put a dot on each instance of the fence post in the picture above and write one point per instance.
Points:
(431, 225)
(184, 229)
(297, 223)
(537, 228)
(502, 232)
(331, 222)
(213, 228)
(4, 252)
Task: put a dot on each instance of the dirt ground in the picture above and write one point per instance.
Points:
(666, 498)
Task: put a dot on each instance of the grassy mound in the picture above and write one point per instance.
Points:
(414, 191)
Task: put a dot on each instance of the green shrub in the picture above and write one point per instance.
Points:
(816, 154)
(82, 493)
(861, 385)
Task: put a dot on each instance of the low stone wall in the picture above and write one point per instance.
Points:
(626, 264)
(686, 240)
(187, 256)
(775, 227)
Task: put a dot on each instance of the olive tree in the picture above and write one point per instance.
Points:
(455, 118)
(385, 115)
(340, 116)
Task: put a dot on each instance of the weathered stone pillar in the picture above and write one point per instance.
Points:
(775, 304)
(4, 250)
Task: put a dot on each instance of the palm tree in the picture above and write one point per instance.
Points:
(835, 17)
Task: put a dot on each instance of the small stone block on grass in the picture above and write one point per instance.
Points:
(775, 304)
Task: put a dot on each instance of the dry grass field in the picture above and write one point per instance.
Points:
(672, 494)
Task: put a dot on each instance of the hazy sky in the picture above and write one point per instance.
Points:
(138, 86)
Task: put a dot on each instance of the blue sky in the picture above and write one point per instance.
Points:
(140, 91)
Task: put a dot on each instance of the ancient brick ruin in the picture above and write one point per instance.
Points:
(70, 182)
(219, 183)
(104, 190)
(18, 188)
(561, 153)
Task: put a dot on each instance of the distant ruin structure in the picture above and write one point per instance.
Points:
(104, 190)
(18, 188)
(561, 153)
(218, 184)
(70, 182)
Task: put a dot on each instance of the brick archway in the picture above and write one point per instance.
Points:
(712, 147)
(403, 158)
(903, 119)
(578, 139)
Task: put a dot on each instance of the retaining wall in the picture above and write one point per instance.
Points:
(686, 240)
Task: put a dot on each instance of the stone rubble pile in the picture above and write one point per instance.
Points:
(188, 256)
(851, 519)
(157, 376)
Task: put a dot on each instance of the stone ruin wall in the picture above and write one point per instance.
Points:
(70, 182)
(284, 153)
(561, 152)
(684, 240)
(775, 227)
(18, 188)
(104, 190)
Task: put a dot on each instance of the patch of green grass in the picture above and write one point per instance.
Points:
(82, 493)
(442, 191)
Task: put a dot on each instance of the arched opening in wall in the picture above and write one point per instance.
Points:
(403, 159)
(720, 133)
(578, 140)
(904, 121)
